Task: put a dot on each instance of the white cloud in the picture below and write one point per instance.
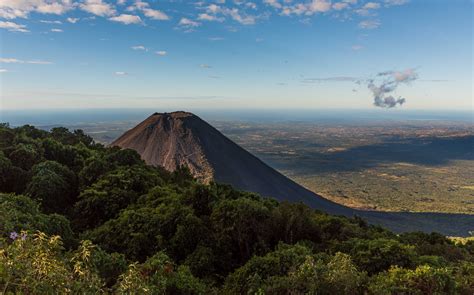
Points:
(57, 22)
(369, 24)
(395, 2)
(139, 47)
(11, 9)
(233, 13)
(161, 53)
(340, 5)
(10, 13)
(119, 73)
(405, 76)
(98, 7)
(127, 19)
(307, 8)
(19, 61)
(362, 12)
(310, 8)
(10, 60)
(72, 20)
(213, 8)
(330, 79)
(138, 5)
(147, 11)
(38, 62)
(3, 70)
(273, 3)
(216, 38)
(251, 5)
(188, 23)
(13, 27)
(155, 14)
(319, 6)
(244, 12)
(357, 47)
(371, 5)
(238, 17)
(57, 30)
(368, 8)
(209, 17)
(54, 7)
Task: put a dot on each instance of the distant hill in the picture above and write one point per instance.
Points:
(181, 138)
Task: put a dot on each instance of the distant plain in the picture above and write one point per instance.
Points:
(417, 167)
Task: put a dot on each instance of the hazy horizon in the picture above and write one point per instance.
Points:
(74, 116)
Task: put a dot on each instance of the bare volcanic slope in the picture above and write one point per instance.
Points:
(180, 138)
(170, 140)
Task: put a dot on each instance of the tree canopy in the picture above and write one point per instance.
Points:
(78, 217)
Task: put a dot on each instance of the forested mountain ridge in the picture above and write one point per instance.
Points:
(78, 217)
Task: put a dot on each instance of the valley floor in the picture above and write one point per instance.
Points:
(414, 167)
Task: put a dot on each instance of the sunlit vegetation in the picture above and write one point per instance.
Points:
(80, 218)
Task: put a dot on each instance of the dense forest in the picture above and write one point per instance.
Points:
(78, 217)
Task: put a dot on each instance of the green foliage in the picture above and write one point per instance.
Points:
(135, 233)
(113, 192)
(109, 265)
(12, 178)
(434, 244)
(66, 137)
(258, 269)
(35, 264)
(94, 168)
(20, 213)
(25, 156)
(123, 157)
(67, 155)
(159, 275)
(240, 224)
(379, 254)
(53, 185)
(294, 222)
(336, 276)
(138, 229)
(7, 136)
(295, 270)
(464, 276)
(423, 280)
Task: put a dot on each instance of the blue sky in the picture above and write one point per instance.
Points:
(236, 54)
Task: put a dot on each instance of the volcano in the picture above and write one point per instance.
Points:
(180, 138)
